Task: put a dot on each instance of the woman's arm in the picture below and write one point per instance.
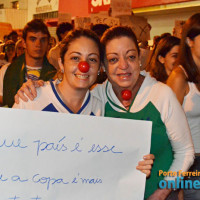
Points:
(178, 133)
(178, 83)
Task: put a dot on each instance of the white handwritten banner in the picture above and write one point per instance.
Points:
(56, 156)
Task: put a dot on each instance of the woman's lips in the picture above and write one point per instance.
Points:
(81, 76)
(124, 75)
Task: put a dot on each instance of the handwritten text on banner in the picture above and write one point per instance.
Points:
(48, 156)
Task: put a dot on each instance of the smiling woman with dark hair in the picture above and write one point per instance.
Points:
(72, 94)
(132, 95)
(164, 58)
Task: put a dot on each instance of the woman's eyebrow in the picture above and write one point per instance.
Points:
(93, 54)
(111, 53)
(75, 52)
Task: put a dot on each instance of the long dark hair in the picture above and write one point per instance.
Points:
(190, 30)
(155, 67)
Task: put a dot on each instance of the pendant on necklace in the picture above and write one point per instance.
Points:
(126, 94)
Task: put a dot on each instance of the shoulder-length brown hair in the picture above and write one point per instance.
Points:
(155, 67)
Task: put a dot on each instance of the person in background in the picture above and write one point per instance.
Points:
(185, 82)
(13, 36)
(9, 53)
(99, 29)
(54, 53)
(156, 40)
(5, 38)
(52, 43)
(31, 65)
(164, 58)
(19, 48)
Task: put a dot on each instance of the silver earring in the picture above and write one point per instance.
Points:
(60, 75)
(98, 73)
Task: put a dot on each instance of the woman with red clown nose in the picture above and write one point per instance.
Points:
(79, 63)
(130, 94)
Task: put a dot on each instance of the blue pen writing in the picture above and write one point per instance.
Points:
(16, 178)
(36, 198)
(16, 144)
(42, 146)
(104, 148)
(47, 180)
(75, 179)
(3, 179)
(82, 180)
(76, 148)
(91, 181)
(14, 198)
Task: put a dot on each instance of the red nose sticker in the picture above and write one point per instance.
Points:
(126, 95)
(83, 66)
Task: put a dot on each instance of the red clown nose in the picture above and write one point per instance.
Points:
(83, 66)
(126, 95)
